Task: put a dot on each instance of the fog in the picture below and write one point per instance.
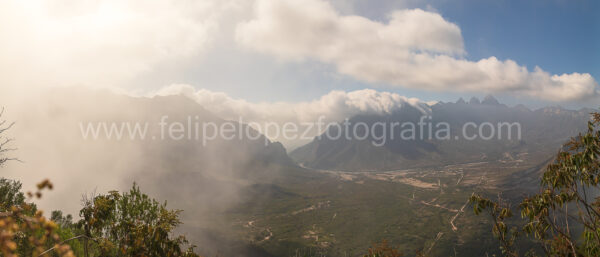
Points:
(203, 180)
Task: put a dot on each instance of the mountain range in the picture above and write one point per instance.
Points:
(541, 131)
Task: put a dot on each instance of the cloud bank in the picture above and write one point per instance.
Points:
(334, 106)
(415, 49)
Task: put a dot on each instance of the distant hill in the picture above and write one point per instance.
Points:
(542, 132)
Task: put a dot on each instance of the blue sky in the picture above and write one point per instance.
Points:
(559, 36)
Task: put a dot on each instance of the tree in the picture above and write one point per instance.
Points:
(564, 217)
(10, 194)
(4, 141)
(128, 224)
(24, 231)
(132, 224)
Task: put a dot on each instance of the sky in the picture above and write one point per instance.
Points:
(559, 36)
(534, 52)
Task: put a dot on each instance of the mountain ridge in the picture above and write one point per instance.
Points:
(542, 129)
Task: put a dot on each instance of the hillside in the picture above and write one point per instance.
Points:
(542, 132)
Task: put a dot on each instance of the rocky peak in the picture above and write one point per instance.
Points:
(474, 100)
(490, 100)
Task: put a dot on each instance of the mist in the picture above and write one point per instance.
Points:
(202, 180)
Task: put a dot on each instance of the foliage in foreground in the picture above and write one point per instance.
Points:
(115, 224)
(564, 217)
(24, 231)
(132, 224)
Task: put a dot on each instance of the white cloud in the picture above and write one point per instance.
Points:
(415, 49)
(299, 29)
(100, 43)
(334, 106)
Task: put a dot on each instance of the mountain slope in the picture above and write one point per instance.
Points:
(542, 131)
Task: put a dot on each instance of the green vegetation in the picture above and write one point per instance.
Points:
(563, 219)
(335, 216)
(24, 231)
(132, 224)
(114, 224)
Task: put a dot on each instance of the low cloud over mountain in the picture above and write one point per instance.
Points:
(335, 105)
(332, 107)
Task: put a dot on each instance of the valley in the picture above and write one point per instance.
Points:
(341, 213)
